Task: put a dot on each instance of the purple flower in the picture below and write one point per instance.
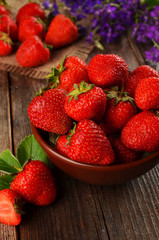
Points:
(46, 4)
(153, 54)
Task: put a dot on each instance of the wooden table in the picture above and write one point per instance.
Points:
(81, 211)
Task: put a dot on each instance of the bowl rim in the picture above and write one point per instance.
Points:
(112, 167)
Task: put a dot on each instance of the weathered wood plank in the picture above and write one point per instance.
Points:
(6, 232)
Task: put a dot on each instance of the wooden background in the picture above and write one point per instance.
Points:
(81, 211)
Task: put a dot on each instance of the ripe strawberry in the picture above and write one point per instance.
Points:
(122, 153)
(3, 10)
(90, 145)
(30, 26)
(7, 25)
(62, 31)
(72, 75)
(32, 53)
(120, 108)
(147, 93)
(139, 73)
(107, 70)
(10, 207)
(85, 101)
(142, 132)
(5, 44)
(35, 183)
(47, 112)
(62, 145)
(29, 9)
(74, 61)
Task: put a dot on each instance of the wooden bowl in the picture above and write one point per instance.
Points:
(100, 175)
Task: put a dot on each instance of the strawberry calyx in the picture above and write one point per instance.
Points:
(5, 37)
(121, 95)
(18, 205)
(83, 87)
(54, 77)
(70, 134)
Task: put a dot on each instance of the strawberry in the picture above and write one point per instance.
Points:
(32, 53)
(7, 25)
(3, 10)
(72, 75)
(5, 44)
(62, 145)
(139, 73)
(10, 207)
(30, 26)
(47, 112)
(35, 183)
(74, 61)
(29, 9)
(122, 153)
(107, 70)
(90, 145)
(120, 108)
(85, 101)
(141, 133)
(147, 93)
(62, 31)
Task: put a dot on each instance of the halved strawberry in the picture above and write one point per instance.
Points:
(10, 207)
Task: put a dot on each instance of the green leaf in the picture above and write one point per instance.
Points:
(10, 159)
(5, 181)
(29, 149)
(151, 3)
(5, 167)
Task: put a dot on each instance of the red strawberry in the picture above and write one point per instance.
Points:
(35, 183)
(30, 9)
(85, 101)
(62, 145)
(147, 93)
(62, 31)
(107, 70)
(10, 207)
(72, 75)
(90, 145)
(139, 73)
(142, 132)
(7, 25)
(5, 44)
(3, 10)
(122, 153)
(120, 108)
(74, 61)
(47, 112)
(30, 26)
(32, 53)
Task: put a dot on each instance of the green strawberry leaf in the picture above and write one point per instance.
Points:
(5, 181)
(29, 149)
(5, 167)
(10, 159)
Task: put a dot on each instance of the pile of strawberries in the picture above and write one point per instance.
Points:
(101, 113)
(36, 39)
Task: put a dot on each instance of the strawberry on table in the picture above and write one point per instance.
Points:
(139, 73)
(10, 207)
(90, 145)
(74, 61)
(62, 31)
(141, 133)
(31, 26)
(122, 153)
(47, 112)
(5, 44)
(147, 93)
(3, 10)
(120, 108)
(32, 52)
(27, 173)
(29, 9)
(7, 25)
(107, 70)
(85, 101)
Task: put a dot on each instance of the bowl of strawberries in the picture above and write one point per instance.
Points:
(99, 123)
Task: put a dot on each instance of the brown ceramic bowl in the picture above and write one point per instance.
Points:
(100, 175)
